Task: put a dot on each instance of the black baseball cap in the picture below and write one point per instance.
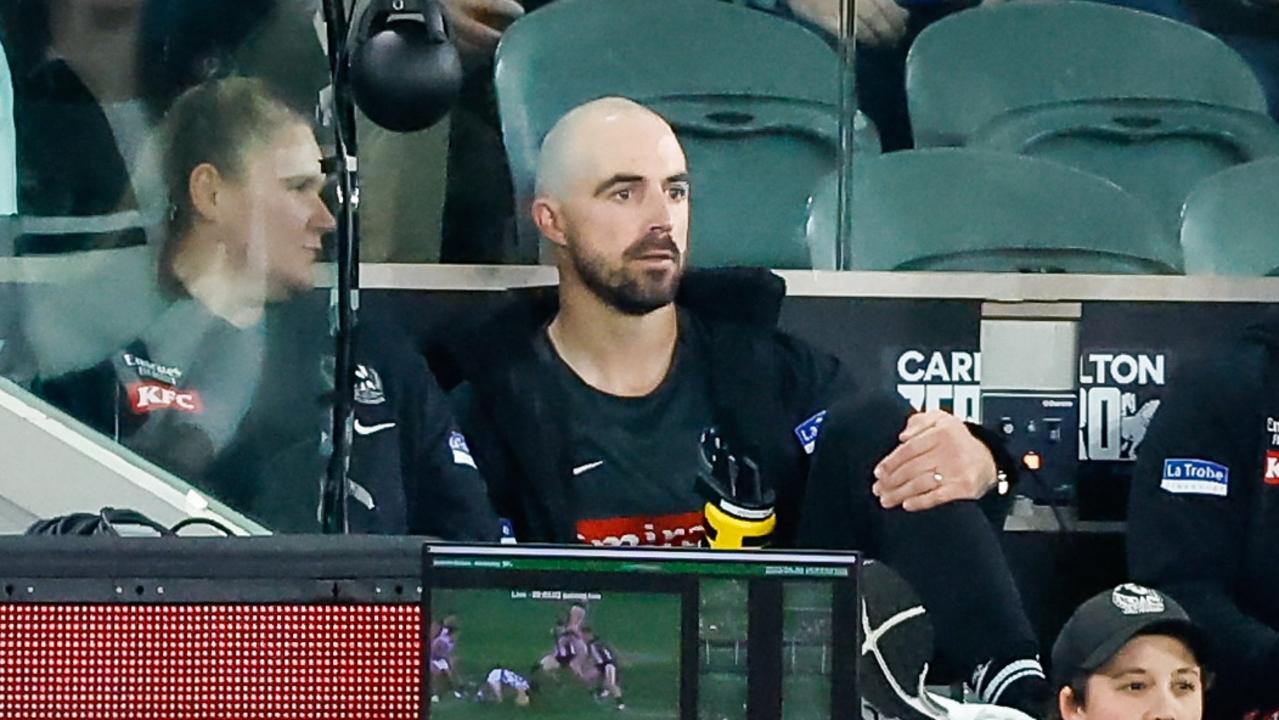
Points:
(1108, 620)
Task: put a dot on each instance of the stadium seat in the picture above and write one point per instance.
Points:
(982, 211)
(978, 64)
(753, 98)
(1230, 224)
(1156, 149)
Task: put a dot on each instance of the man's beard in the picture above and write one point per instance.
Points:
(627, 288)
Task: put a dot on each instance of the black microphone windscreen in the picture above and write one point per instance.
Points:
(406, 74)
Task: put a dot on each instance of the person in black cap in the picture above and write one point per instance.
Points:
(1127, 653)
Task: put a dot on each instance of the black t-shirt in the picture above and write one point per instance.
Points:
(635, 458)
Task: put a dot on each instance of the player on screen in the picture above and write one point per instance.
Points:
(443, 644)
(601, 667)
(570, 649)
(500, 677)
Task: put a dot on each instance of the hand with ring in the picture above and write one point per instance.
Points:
(938, 461)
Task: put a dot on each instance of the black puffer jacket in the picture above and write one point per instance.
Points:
(1204, 512)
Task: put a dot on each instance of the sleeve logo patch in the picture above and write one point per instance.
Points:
(1272, 467)
(461, 453)
(1187, 476)
(508, 531)
(808, 430)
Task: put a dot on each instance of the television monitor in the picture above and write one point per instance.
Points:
(516, 631)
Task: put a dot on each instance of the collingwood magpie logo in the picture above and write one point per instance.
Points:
(1134, 599)
(368, 386)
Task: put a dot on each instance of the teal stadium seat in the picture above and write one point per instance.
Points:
(976, 65)
(753, 98)
(1157, 149)
(982, 211)
(1230, 225)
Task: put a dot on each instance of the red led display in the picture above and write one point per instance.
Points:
(214, 662)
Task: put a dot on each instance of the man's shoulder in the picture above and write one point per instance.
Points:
(1221, 392)
(1232, 374)
(753, 342)
(502, 336)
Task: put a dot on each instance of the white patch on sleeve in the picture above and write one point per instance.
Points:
(461, 453)
(807, 431)
(1189, 476)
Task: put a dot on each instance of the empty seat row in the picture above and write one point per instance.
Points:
(1152, 105)
(978, 210)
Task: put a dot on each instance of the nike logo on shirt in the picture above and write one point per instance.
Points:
(360, 494)
(370, 429)
(587, 467)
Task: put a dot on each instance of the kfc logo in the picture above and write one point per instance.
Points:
(146, 397)
(1272, 467)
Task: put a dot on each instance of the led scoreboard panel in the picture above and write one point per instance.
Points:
(194, 628)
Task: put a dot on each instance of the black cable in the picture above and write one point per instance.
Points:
(112, 517)
(103, 522)
(107, 521)
(333, 495)
(1062, 525)
(201, 521)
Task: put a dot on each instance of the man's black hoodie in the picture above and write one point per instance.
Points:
(764, 385)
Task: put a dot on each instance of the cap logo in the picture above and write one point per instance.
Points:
(1133, 599)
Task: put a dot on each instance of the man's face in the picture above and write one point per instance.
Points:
(281, 218)
(1152, 677)
(624, 214)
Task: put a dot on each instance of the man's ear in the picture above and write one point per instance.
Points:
(546, 216)
(205, 186)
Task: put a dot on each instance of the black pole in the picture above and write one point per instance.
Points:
(333, 495)
(846, 77)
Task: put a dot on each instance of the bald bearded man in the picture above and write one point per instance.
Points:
(585, 404)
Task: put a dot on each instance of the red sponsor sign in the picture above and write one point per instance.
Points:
(1272, 467)
(679, 530)
(146, 397)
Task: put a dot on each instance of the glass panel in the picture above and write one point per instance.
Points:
(171, 215)
(951, 151)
